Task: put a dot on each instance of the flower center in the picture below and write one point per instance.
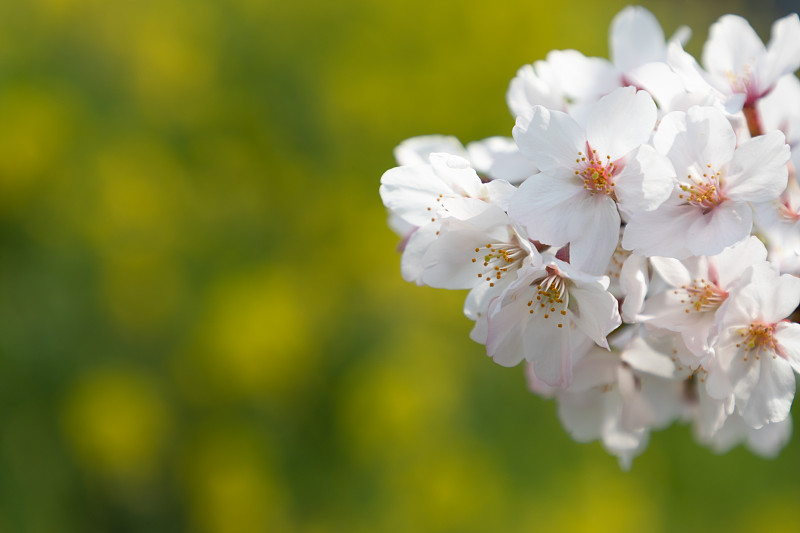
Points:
(702, 191)
(552, 297)
(597, 175)
(759, 338)
(702, 295)
(498, 259)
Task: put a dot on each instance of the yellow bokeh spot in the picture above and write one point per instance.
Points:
(401, 397)
(33, 137)
(230, 484)
(256, 338)
(117, 423)
(598, 498)
(142, 291)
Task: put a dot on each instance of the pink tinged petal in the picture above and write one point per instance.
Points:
(548, 138)
(731, 263)
(582, 77)
(646, 180)
(593, 232)
(702, 136)
(771, 398)
(726, 224)
(594, 310)
(500, 158)
(787, 334)
(758, 172)
(620, 122)
(733, 46)
(660, 232)
(417, 150)
(636, 39)
(544, 205)
(783, 52)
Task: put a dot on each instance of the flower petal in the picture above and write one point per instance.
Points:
(620, 122)
(726, 224)
(548, 138)
(758, 172)
(733, 46)
(593, 233)
(783, 52)
(646, 181)
(636, 39)
(545, 204)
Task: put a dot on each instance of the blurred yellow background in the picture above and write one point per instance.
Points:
(202, 321)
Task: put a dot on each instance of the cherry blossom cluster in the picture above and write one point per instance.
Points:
(636, 242)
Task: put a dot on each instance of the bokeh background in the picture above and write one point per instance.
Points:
(202, 322)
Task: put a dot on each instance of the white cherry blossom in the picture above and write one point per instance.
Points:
(587, 172)
(757, 349)
(716, 181)
(547, 311)
(698, 286)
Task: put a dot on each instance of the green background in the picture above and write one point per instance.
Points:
(202, 321)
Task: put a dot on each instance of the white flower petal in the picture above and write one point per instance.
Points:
(417, 150)
(646, 181)
(545, 203)
(620, 122)
(733, 46)
(731, 263)
(634, 282)
(771, 398)
(725, 225)
(548, 138)
(701, 136)
(582, 77)
(660, 232)
(636, 39)
(500, 159)
(671, 270)
(783, 52)
(411, 264)
(594, 310)
(788, 336)
(757, 172)
(593, 233)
